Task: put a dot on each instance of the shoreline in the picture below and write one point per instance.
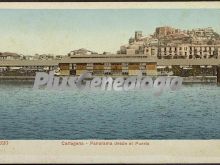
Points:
(186, 80)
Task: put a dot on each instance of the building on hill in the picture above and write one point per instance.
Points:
(81, 51)
(168, 42)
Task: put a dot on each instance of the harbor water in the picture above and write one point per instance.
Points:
(193, 112)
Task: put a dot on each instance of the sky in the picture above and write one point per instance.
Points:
(58, 31)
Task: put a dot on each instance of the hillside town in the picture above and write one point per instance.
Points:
(167, 51)
(165, 42)
(171, 43)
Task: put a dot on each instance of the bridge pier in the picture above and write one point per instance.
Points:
(218, 75)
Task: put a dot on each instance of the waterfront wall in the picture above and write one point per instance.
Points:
(218, 75)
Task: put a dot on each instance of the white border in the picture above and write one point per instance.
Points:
(159, 151)
(109, 5)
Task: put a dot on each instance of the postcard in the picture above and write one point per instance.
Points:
(107, 82)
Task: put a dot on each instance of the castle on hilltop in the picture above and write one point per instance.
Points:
(171, 43)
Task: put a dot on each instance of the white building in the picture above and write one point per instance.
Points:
(9, 56)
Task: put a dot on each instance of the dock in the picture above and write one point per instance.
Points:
(121, 65)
